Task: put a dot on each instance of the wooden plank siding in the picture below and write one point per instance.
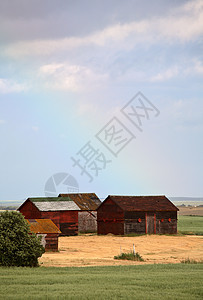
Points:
(65, 220)
(166, 222)
(87, 215)
(30, 211)
(87, 221)
(127, 214)
(134, 222)
(110, 219)
(51, 242)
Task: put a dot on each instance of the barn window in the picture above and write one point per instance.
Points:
(169, 219)
(139, 220)
(162, 220)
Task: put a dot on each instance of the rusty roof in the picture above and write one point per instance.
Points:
(85, 201)
(42, 226)
(143, 203)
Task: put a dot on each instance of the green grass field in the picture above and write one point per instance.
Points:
(190, 225)
(178, 281)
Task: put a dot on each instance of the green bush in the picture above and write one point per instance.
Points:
(130, 256)
(18, 246)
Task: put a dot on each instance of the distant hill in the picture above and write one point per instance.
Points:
(176, 200)
(10, 204)
(186, 200)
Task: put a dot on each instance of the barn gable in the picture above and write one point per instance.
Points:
(29, 210)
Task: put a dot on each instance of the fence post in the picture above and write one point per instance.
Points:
(133, 249)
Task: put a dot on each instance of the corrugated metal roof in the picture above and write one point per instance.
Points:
(86, 201)
(42, 226)
(143, 203)
(56, 206)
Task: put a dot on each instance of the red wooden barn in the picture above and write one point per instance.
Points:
(137, 214)
(87, 214)
(62, 211)
(48, 231)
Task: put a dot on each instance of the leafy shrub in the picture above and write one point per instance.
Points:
(130, 256)
(18, 246)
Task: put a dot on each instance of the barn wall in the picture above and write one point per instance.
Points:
(49, 241)
(166, 222)
(134, 222)
(66, 221)
(150, 222)
(87, 221)
(110, 219)
(30, 211)
(69, 222)
(53, 215)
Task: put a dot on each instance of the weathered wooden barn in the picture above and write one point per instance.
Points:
(62, 211)
(87, 215)
(70, 212)
(137, 214)
(48, 231)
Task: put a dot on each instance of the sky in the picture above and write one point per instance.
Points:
(101, 96)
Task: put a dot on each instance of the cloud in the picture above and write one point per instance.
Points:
(165, 75)
(190, 68)
(193, 6)
(10, 86)
(2, 122)
(50, 69)
(181, 25)
(71, 77)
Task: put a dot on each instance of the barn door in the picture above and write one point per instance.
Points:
(150, 224)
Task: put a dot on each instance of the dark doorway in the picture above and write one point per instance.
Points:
(150, 224)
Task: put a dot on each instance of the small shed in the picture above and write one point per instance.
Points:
(137, 214)
(48, 231)
(62, 211)
(87, 214)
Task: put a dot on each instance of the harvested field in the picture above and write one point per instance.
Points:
(93, 250)
(190, 211)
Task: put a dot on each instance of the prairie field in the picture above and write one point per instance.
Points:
(177, 281)
(85, 268)
(190, 224)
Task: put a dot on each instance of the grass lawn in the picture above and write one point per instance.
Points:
(190, 225)
(178, 281)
